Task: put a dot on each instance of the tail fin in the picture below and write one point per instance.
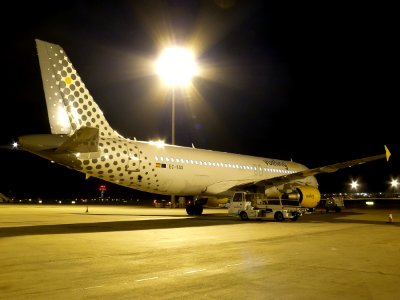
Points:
(69, 104)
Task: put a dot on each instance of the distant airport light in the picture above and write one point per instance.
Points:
(15, 145)
(176, 66)
(102, 189)
(370, 203)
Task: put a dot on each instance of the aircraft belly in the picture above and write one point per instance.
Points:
(180, 186)
(178, 183)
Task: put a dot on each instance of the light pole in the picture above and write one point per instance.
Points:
(176, 67)
(173, 116)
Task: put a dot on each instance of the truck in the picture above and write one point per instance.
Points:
(249, 205)
(334, 203)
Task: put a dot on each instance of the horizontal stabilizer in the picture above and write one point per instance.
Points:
(84, 140)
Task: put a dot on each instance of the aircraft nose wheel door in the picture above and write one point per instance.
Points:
(133, 159)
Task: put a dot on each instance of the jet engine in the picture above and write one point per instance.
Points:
(306, 196)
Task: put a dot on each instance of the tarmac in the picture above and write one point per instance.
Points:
(125, 252)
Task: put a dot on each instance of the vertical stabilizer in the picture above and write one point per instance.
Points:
(69, 104)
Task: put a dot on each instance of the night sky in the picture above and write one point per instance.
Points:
(314, 83)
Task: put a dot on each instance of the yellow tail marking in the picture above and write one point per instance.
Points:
(87, 176)
(387, 153)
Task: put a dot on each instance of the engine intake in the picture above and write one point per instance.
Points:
(309, 196)
(306, 196)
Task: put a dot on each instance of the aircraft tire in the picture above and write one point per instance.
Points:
(190, 209)
(279, 216)
(198, 209)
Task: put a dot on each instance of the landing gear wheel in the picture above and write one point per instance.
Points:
(279, 216)
(198, 209)
(190, 209)
(244, 216)
(194, 210)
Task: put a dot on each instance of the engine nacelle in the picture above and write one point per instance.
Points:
(309, 196)
(305, 196)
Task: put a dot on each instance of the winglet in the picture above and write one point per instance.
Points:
(87, 176)
(387, 153)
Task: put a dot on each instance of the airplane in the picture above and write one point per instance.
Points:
(82, 139)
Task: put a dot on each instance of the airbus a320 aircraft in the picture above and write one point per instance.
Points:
(82, 139)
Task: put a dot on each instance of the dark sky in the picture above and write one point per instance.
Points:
(314, 83)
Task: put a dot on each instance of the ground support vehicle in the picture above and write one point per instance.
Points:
(248, 206)
(335, 204)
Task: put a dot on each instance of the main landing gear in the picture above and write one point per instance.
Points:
(194, 209)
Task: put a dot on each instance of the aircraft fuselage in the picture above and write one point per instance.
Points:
(161, 169)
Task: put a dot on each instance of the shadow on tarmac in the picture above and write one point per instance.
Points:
(332, 217)
(189, 222)
(116, 226)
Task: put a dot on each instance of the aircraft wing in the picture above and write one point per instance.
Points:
(275, 181)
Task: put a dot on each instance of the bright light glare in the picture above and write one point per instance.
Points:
(158, 144)
(394, 183)
(354, 185)
(370, 203)
(15, 145)
(62, 118)
(176, 66)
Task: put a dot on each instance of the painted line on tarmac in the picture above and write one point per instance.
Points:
(93, 287)
(195, 271)
(234, 265)
(145, 279)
